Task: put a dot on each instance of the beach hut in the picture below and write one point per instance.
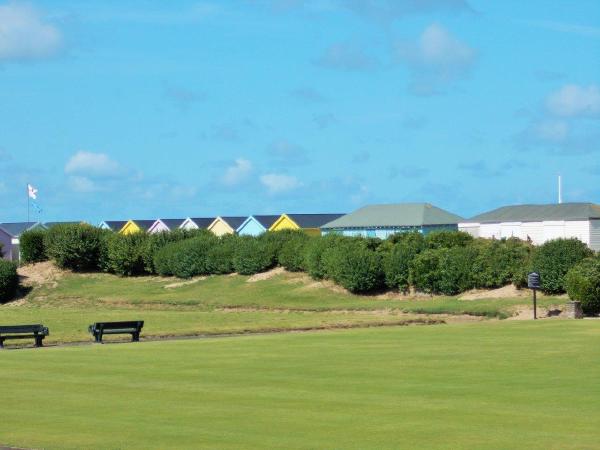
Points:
(256, 225)
(309, 223)
(136, 226)
(165, 225)
(112, 225)
(226, 224)
(9, 237)
(382, 221)
(197, 223)
(539, 223)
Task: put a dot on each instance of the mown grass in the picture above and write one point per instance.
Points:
(223, 304)
(492, 385)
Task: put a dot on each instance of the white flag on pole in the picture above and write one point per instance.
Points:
(32, 192)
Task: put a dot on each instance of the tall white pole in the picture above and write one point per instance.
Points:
(559, 189)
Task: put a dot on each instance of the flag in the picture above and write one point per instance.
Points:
(32, 192)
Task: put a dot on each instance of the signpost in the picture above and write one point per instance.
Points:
(534, 283)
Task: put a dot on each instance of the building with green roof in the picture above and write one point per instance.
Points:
(384, 220)
(539, 223)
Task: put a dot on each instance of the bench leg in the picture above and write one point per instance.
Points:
(135, 337)
(1, 343)
(98, 337)
(38, 341)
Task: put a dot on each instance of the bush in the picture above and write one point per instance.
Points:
(9, 280)
(125, 253)
(447, 239)
(447, 271)
(353, 265)
(74, 246)
(220, 256)
(33, 246)
(397, 260)
(500, 262)
(186, 258)
(554, 259)
(582, 283)
(292, 253)
(156, 241)
(276, 240)
(314, 251)
(254, 254)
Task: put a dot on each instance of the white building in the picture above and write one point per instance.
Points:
(539, 223)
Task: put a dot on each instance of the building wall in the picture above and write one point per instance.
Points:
(157, 227)
(5, 240)
(251, 228)
(534, 231)
(130, 228)
(579, 229)
(219, 228)
(188, 225)
(595, 235)
(384, 233)
(284, 223)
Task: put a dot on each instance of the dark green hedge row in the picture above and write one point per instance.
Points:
(9, 280)
(443, 262)
(583, 283)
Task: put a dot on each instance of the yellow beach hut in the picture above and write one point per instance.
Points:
(226, 224)
(309, 223)
(136, 226)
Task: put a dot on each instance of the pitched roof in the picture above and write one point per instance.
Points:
(15, 229)
(234, 221)
(202, 222)
(172, 223)
(395, 215)
(143, 224)
(538, 213)
(266, 221)
(115, 225)
(313, 220)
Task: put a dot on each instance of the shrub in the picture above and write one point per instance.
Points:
(424, 271)
(9, 280)
(254, 255)
(275, 241)
(33, 246)
(186, 258)
(74, 246)
(125, 253)
(396, 262)
(314, 251)
(456, 270)
(500, 262)
(220, 256)
(553, 259)
(156, 241)
(582, 283)
(353, 265)
(447, 239)
(292, 253)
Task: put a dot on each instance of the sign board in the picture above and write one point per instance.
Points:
(534, 281)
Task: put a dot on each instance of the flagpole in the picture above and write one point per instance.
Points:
(27, 188)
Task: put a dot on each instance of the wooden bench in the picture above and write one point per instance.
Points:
(134, 328)
(37, 332)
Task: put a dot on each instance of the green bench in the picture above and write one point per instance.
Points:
(36, 331)
(99, 329)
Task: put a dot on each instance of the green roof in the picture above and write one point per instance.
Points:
(538, 213)
(395, 215)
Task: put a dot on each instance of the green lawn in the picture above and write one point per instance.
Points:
(224, 304)
(493, 384)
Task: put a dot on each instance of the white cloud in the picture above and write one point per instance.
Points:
(92, 164)
(237, 173)
(573, 100)
(278, 183)
(436, 58)
(24, 35)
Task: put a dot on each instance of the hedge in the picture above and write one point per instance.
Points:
(397, 260)
(9, 280)
(186, 258)
(74, 246)
(254, 255)
(292, 253)
(554, 259)
(314, 251)
(33, 246)
(125, 254)
(220, 256)
(582, 283)
(500, 262)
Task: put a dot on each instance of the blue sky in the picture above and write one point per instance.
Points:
(146, 109)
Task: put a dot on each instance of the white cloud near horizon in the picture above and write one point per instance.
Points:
(90, 164)
(25, 35)
(279, 183)
(237, 173)
(574, 101)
